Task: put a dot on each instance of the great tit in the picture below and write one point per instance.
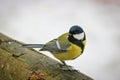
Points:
(68, 46)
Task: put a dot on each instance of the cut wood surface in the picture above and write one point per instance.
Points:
(31, 65)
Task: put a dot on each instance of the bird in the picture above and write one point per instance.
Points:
(68, 46)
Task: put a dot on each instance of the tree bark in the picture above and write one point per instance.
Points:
(31, 65)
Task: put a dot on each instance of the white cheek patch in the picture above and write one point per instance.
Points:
(79, 36)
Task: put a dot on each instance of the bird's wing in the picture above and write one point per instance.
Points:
(64, 42)
(57, 45)
(50, 46)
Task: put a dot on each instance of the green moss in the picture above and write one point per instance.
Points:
(12, 68)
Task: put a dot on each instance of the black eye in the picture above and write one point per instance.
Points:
(74, 32)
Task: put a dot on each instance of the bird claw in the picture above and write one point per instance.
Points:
(66, 67)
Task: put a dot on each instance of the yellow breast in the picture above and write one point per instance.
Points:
(73, 52)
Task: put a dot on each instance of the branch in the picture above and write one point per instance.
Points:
(32, 65)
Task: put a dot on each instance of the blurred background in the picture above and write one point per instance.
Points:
(38, 21)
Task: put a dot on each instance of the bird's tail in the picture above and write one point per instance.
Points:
(33, 45)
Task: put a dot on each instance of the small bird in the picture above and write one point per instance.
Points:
(68, 46)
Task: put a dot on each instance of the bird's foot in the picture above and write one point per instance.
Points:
(66, 67)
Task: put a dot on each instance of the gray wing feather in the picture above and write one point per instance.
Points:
(52, 47)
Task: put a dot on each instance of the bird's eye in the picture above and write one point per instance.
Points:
(77, 32)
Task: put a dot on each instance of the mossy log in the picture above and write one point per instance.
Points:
(33, 65)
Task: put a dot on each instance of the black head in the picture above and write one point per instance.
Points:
(77, 36)
(75, 29)
(76, 32)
